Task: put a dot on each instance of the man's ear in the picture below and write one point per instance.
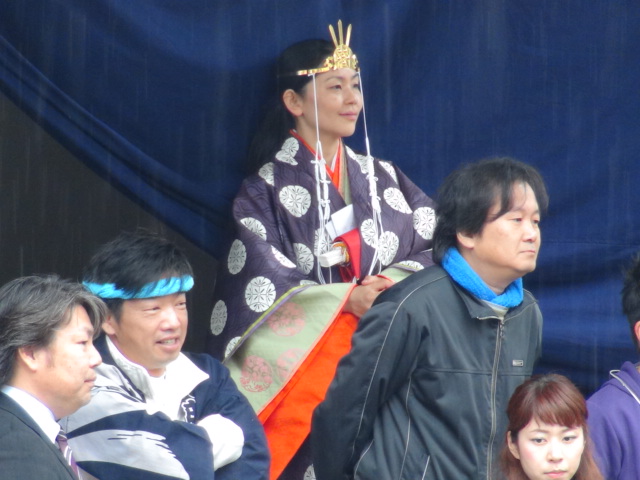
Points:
(29, 357)
(293, 102)
(466, 240)
(108, 326)
(636, 330)
(513, 448)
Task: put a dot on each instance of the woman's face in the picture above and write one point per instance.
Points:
(548, 451)
(339, 104)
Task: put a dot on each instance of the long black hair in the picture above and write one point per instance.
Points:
(277, 122)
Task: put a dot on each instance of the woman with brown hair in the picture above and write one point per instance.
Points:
(548, 436)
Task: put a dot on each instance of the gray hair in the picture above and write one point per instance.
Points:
(33, 308)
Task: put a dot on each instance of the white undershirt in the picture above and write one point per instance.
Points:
(166, 393)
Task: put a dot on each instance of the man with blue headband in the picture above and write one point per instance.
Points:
(155, 412)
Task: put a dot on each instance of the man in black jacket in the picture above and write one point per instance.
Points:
(423, 392)
(47, 363)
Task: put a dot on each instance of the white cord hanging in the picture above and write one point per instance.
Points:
(378, 229)
(322, 190)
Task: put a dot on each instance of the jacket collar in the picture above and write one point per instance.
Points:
(480, 310)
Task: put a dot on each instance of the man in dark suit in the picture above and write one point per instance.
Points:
(47, 362)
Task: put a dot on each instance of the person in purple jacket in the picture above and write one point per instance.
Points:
(614, 410)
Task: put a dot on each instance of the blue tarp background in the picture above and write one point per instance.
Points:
(161, 98)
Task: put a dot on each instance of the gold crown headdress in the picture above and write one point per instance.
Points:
(343, 56)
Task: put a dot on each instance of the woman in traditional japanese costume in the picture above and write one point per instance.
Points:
(320, 232)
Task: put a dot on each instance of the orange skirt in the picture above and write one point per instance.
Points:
(287, 418)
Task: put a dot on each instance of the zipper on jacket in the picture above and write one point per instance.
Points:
(494, 387)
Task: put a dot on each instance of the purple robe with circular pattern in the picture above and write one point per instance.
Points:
(277, 229)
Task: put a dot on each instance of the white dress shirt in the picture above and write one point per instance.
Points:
(37, 410)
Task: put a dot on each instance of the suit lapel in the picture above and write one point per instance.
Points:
(9, 405)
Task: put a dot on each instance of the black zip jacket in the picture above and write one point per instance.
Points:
(423, 392)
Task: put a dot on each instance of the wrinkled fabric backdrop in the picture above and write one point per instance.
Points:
(161, 97)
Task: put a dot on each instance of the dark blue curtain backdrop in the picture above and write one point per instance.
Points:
(161, 98)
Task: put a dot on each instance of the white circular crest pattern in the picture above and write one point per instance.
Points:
(260, 294)
(368, 233)
(412, 265)
(351, 153)
(218, 317)
(296, 199)
(322, 240)
(231, 345)
(424, 222)
(390, 170)
(388, 247)
(288, 151)
(255, 226)
(304, 257)
(362, 161)
(394, 197)
(284, 261)
(237, 257)
(310, 473)
(266, 173)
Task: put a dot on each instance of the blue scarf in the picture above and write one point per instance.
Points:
(463, 275)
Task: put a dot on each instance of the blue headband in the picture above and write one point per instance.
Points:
(164, 286)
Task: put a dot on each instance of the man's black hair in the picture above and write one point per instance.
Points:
(134, 259)
(467, 195)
